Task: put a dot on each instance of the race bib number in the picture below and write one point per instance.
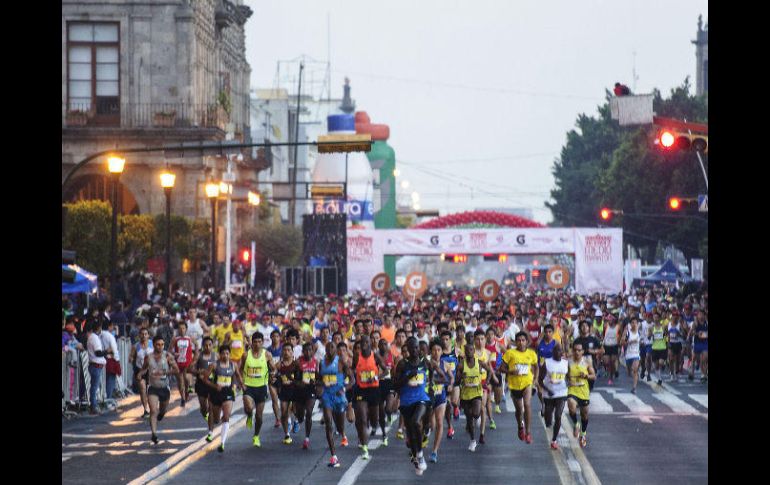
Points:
(225, 381)
(534, 334)
(308, 376)
(236, 344)
(557, 377)
(658, 335)
(522, 369)
(254, 372)
(330, 380)
(417, 380)
(449, 366)
(472, 381)
(367, 377)
(438, 388)
(285, 379)
(703, 334)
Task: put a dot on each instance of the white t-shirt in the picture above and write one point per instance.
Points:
(94, 344)
(555, 377)
(195, 331)
(510, 334)
(632, 344)
(644, 328)
(297, 351)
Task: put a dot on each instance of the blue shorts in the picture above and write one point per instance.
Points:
(333, 401)
(701, 347)
(645, 349)
(438, 400)
(631, 360)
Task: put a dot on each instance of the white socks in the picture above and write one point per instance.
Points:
(225, 429)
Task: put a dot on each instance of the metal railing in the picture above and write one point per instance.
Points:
(145, 115)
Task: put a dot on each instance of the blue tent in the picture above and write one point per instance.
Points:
(667, 273)
(85, 282)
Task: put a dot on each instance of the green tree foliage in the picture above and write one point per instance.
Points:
(180, 236)
(88, 229)
(279, 243)
(135, 237)
(604, 165)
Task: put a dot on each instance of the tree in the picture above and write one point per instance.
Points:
(135, 241)
(89, 224)
(279, 243)
(180, 236)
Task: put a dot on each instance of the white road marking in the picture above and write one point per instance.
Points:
(155, 451)
(598, 405)
(633, 403)
(69, 454)
(119, 452)
(702, 399)
(352, 473)
(676, 404)
(656, 388)
(574, 466)
(132, 433)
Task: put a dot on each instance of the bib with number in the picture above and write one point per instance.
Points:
(366, 377)
(330, 380)
(438, 388)
(285, 379)
(472, 381)
(308, 376)
(224, 381)
(522, 369)
(417, 380)
(236, 344)
(557, 377)
(254, 372)
(703, 334)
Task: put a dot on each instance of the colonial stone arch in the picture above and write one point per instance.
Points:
(98, 186)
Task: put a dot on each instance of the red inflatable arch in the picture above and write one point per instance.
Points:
(488, 219)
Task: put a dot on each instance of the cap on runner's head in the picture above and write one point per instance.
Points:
(532, 311)
(598, 313)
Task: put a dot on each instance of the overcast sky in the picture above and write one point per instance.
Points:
(479, 94)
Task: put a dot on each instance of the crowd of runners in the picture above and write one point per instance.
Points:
(414, 364)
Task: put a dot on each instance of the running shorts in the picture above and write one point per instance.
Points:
(468, 402)
(408, 411)
(554, 400)
(519, 394)
(349, 395)
(610, 350)
(257, 394)
(659, 355)
(369, 394)
(701, 347)
(163, 393)
(386, 387)
(438, 400)
(631, 360)
(675, 348)
(218, 398)
(287, 393)
(335, 402)
(201, 389)
(581, 402)
(303, 394)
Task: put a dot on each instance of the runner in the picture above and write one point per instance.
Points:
(471, 393)
(330, 388)
(410, 376)
(676, 333)
(304, 398)
(449, 360)
(658, 334)
(255, 368)
(157, 366)
(700, 333)
(632, 340)
(610, 345)
(495, 353)
(645, 347)
(367, 366)
(222, 396)
(275, 350)
(439, 401)
(138, 353)
(347, 356)
(553, 386)
(182, 347)
(204, 359)
(520, 364)
(580, 372)
(387, 394)
(287, 374)
(482, 355)
(544, 351)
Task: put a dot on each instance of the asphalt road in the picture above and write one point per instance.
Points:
(659, 433)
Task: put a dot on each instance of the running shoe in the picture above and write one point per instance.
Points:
(160, 416)
(221, 448)
(344, 442)
(492, 424)
(249, 421)
(434, 457)
(154, 439)
(497, 409)
(542, 412)
(256, 441)
(417, 469)
(190, 390)
(421, 463)
(365, 452)
(146, 415)
(649, 378)
(306, 444)
(450, 434)
(529, 438)
(660, 382)
(609, 383)
(206, 417)
(287, 440)
(181, 402)
(583, 441)
(457, 413)
(277, 423)
(400, 434)
(481, 439)
(472, 446)
(642, 374)
(334, 462)
(425, 441)
(209, 437)
(295, 428)
(385, 441)
(554, 445)
(521, 433)
(633, 390)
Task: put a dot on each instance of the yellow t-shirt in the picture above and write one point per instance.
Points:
(482, 356)
(236, 345)
(577, 386)
(522, 361)
(219, 333)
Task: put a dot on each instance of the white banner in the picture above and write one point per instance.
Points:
(598, 260)
(633, 269)
(598, 252)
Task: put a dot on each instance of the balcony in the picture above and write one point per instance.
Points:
(109, 114)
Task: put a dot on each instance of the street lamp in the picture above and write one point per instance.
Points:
(115, 165)
(167, 182)
(212, 192)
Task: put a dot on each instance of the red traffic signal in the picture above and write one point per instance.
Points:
(674, 203)
(605, 214)
(245, 255)
(667, 139)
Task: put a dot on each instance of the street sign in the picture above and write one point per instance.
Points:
(557, 277)
(703, 203)
(489, 290)
(380, 284)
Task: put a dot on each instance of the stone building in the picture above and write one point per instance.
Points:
(701, 58)
(146, 73)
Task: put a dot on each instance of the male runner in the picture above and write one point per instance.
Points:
(157, 366)
(367, 365)
(255, 368)
(439, 396)
(483, 356)
(658, 334)
(222, 396)
(676, 333)
(700, 334)
(449, 360)
(610, 345)
(471, 393)
(580, 372)
(553, 387)
(331, 389)
(182, 347)
(544, 351)
(304, 398)
(496, 352)
(204, 359)
(632, 340)
(520, 364)
(287, 372)
(275, 352)
(137, 356)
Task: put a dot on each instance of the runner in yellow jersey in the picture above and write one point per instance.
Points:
(256, 369)
(520, 365)
(236, 339)
(482, 354)
(581, 371)
(469, 375)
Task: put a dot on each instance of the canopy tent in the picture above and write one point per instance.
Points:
(668, 273)
(85, 282)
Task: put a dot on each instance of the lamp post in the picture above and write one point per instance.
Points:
(254, 200)
(167, 182)
(212, 192)
(115, 165)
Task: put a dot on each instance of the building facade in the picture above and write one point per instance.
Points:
(146, 74)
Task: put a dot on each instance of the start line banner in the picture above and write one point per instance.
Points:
(598, 252)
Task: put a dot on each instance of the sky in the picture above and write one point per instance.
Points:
(479, 95)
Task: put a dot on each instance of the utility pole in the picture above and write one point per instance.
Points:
(293, 201)
(229, 178)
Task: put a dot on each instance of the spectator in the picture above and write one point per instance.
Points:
(112, 366)
(96, 362)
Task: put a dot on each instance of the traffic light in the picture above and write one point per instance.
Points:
(605, 214)
(674, 203)
(500, 258)
(245, 256)
(680, 203)
(670, 139)
(454, 258)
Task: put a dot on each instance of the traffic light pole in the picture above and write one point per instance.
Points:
(700, 159)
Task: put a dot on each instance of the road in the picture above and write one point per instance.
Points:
(632, 439)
